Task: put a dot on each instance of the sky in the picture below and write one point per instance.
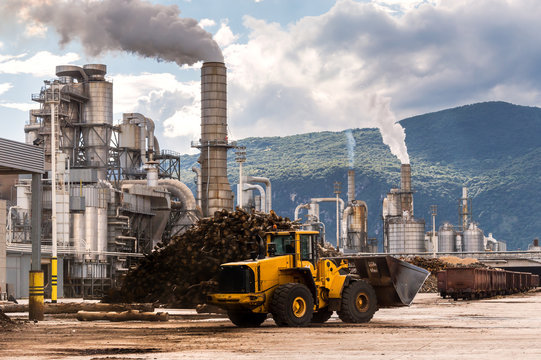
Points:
(294, 66)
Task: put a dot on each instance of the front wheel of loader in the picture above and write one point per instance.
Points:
(246, 318)
(292, 305)
(359, 303)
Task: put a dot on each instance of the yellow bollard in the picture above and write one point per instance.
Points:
(35, 300)
(54, 279)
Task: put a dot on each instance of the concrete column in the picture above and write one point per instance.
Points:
(3, 266)
(36, 222)
(35, 299)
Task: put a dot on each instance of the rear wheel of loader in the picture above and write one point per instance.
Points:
(321, 316)
(292, 305)
(359, 303)
(246, 318)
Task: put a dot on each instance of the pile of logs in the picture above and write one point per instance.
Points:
(182, 272)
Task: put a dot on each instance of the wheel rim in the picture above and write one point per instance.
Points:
(299, 307)
(362, 302)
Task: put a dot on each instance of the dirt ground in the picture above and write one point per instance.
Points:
(432, 328)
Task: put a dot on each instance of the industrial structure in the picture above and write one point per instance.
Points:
(402, 233)
(467, 236)
(351, 220)
(109, 193)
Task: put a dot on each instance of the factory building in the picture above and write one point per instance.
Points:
(114, 193)
(402, 233)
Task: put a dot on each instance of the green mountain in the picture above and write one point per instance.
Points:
(491, 148)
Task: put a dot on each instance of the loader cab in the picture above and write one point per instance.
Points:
(301, 244)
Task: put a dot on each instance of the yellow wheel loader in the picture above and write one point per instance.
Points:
(288, 280)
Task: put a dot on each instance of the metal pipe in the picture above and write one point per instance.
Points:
(320, 200)
(10, 225)
(345, 216)
(298, 208)
(175, 187)
(197, 171)
(261, 191)
(53, 203)
(266, 181)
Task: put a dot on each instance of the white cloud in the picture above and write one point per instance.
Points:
(41, 64)
(19, 106)
(129, 90)
(173, 105)
(349, 66)
(206, 23)
(4, 87)
(224, 36)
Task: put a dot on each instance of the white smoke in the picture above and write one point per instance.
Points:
(351, 148)
(392, 132)
(136, 26)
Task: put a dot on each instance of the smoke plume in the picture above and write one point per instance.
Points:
(392, 132)
(351, 148)
(135, 26)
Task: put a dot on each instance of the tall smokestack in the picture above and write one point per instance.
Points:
(216, 191)
(351, 186)
(406, 195)
(405, 177)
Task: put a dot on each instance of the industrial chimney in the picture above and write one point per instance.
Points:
(405, 177)
(351, 186)
(216, 191)
(406, 195)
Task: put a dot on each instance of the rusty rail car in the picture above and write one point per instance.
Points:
(476, 283)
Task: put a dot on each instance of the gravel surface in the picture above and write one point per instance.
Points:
(432, 328)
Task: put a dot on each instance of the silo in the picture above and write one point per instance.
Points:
(216, 194)
(473, 239)
(446, 238)
(78, 231)
(357, 234)
(406, 235)
(98, 117)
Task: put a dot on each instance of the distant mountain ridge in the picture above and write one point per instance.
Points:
(493, 148)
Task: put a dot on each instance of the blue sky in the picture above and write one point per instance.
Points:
(296, 66)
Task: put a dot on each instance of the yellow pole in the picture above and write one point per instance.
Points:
(54, 280)
(35, 300)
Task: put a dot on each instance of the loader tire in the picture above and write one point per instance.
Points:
(246, 318)
(321, 316)
(292, 305)
(359, 303)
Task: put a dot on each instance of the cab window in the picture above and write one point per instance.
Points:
(283, 244)
(307, 247)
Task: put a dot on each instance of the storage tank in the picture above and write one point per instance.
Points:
(406, 235)
(98, 117)
(357, 234)
(473, 239)
(446, 238)
(78, 231)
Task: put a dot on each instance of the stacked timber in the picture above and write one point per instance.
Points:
(182, 272)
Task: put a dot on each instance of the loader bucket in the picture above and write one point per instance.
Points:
(396, 282)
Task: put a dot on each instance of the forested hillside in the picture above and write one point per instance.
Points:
(492, 148)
